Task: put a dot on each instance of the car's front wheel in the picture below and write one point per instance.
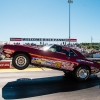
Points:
(20, 61)
(81, 73)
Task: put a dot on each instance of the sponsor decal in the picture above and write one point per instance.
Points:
(58, 64)
(32, 61)
(7, 55)
(8, 51)
(43, 61)
(94, 70)
(49, 63)
(68, 65)
(70, 68)
(78, 60)
(4, 64)
(36, 60)
(54, 63)
(33, 58)
(85, 61)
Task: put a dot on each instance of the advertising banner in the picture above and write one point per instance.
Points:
(4, 64)
(43, 39)
(15, 39)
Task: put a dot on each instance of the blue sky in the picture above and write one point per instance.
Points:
(50, 19)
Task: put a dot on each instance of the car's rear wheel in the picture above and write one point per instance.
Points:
(20, 61)
(81, 73)
(68, 74)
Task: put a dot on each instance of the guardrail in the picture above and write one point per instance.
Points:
(93, 58)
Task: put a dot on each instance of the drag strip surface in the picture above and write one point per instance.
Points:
(47, 85)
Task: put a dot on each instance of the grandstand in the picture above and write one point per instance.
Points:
(82, 47)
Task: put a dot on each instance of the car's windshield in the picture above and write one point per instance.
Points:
(45, 48)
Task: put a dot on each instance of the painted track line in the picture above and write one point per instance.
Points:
(25, 70)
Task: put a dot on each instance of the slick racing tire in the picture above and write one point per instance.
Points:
(68, 75)
(20, 61)
(81, 73)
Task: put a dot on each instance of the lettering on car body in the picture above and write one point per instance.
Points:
(54, 63)
(85, 61)
(57, 64)
(69, 66)
(36, 60)
(8, 51)
(7, 55)
(94, 70)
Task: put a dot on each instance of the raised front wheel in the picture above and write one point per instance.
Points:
(20, 61)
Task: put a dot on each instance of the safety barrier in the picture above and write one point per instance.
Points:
(95, 59)
(5, 64)
(8, 64)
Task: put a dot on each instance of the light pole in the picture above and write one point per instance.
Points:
(91, 42)
(69, 1)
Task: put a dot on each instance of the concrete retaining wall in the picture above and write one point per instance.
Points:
(8, 64)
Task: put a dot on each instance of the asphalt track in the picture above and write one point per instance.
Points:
(46, 84)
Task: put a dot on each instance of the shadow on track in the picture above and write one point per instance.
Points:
(24, 87)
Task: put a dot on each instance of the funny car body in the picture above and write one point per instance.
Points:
(52, 56)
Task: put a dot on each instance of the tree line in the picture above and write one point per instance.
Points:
(95, 46)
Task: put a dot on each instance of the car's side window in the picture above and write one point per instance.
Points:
(66, 52)
(69, 53)
(55, 48)
(58, 49)
(52, 49)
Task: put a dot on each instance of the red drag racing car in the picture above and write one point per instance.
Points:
(52, 56)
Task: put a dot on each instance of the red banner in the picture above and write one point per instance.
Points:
(72, 40)
(15, 39)
(4, 64)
